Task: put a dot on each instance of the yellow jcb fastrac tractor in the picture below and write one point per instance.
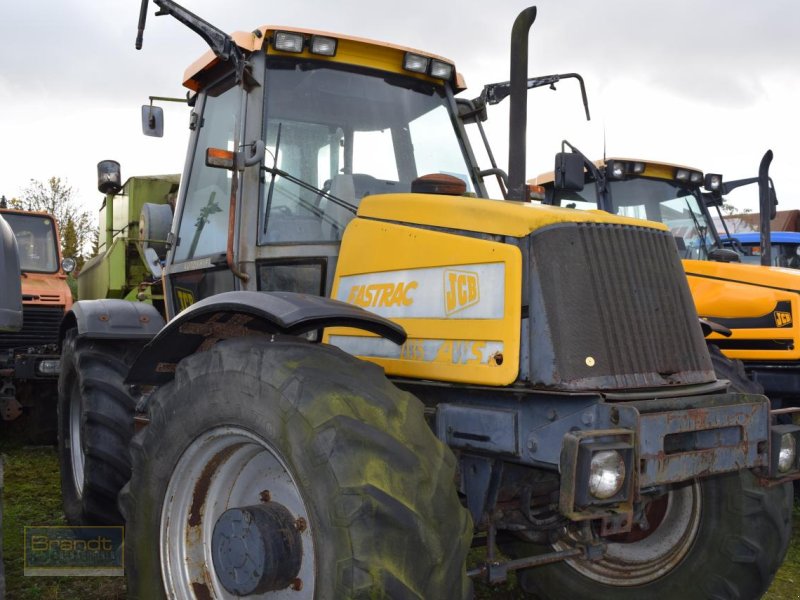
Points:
(364, 369)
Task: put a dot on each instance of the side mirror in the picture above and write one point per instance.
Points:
(725, 255)
(152, 120)
(471, 111)
(773, 197)
(11, 298)
(569, 172)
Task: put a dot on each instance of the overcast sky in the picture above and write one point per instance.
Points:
(710, 84)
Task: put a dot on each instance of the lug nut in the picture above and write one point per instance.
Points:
(265, 496)
(300, 524)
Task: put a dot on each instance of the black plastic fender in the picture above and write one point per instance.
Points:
(112, 319)
(242, 313)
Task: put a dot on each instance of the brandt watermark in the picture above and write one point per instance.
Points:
(81, 551)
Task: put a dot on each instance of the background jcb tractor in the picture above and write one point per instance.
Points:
(756, 306)
(29, 357)
(364, 369)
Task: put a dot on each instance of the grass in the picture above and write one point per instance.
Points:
(32, 497)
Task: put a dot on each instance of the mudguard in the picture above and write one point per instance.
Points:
(112, 319)
(242, 313)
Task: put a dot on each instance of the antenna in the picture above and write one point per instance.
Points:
(604, 142)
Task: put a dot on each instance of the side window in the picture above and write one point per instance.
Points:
(203, 229)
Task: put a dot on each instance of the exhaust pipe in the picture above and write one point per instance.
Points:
(518, 117)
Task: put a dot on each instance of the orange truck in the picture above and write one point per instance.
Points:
(29, 358)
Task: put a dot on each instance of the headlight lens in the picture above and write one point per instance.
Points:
(441, 70)
(787, 453)
(288, 42)
(606, 474)
(416, 63)
(49, 366)
(323, 45)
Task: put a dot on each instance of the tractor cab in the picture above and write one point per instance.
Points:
(330, 119)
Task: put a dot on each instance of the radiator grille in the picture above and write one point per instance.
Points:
(39, 326)
(612, 309)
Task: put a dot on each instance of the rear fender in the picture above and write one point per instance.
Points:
(243, 313)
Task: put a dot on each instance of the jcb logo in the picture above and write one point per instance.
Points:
(185, 298)
(460, 290)
(782, 319)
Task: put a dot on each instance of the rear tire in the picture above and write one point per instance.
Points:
(309, 428)
(733, 537)
(95, 426)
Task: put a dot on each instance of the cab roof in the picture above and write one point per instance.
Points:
(351, 50)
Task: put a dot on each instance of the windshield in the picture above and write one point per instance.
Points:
(669, 203)
(334, 136)
(36, 239)
(654, 200)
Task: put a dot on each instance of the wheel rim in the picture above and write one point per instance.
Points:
(650, 556)
(223, 469)
(77, 459)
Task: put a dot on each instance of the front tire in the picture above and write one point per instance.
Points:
(95, 426)
(720, 538)
(314, 432)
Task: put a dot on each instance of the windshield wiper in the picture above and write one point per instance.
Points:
(306, 186)
(701, 231)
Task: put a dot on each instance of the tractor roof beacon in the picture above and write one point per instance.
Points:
(468, 387)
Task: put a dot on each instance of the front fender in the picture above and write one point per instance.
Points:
(112, 319)
(241, 313)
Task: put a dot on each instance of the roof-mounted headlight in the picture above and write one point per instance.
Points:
(441, 70)
(615, 169)
(682, 174)
(320, 44)
(287, 41)
(713, 182)
(638, 168)
(695, 177)
(415, 63)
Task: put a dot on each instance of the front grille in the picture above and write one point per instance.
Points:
(611, 309)
(39, 326)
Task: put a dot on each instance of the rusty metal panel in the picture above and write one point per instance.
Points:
(679, 445)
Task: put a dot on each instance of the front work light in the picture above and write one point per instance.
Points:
(325, 46)
(606, 474)
(415, 63)
(287, 41)
(441, 70)
(713, 182)
(682, 175)
(615, 169)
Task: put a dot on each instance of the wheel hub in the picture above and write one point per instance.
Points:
(256, 549)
